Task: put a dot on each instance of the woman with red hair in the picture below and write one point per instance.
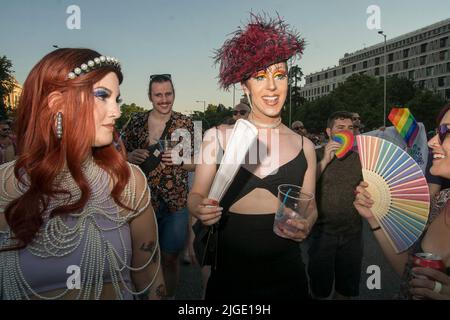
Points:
(77, 220)
(252, 262)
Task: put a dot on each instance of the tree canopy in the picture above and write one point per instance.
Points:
(365, 94)
(127, 110)
(6, 83)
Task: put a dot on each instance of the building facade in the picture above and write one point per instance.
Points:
(422, 56)
(11, 101)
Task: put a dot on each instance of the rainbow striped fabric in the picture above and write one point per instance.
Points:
(406, 125)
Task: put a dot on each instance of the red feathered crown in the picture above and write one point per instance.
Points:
(263, 42)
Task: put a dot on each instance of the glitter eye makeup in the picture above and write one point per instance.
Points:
(280, 74)
(102, 93)
(260, 75)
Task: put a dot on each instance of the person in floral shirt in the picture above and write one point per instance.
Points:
(168, 179)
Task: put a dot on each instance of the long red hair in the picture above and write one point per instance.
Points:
(42, 155)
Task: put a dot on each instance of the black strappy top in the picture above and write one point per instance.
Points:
(292, 172)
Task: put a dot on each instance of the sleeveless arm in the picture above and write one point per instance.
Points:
(309, 182)
(145, 245)
(204, 172)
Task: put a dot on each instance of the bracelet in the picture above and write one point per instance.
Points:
(375, 229)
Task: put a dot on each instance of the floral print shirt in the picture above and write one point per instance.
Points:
(167, 183)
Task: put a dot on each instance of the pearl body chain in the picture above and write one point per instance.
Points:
(61, 236)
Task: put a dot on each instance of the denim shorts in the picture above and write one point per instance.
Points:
(172, 228)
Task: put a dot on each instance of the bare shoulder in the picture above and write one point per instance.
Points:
(136, 188)
(297, 139)
(137, 174)
(302, 142)
(308, 145)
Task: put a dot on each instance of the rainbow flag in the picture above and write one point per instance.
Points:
(406, 125)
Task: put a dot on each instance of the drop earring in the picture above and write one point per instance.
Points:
(59, 127)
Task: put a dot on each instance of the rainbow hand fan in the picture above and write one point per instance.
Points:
(346, 139)
(398, 188)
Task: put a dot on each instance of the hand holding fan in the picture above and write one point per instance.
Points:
(243, 136)
(398, 188)
(346, 139)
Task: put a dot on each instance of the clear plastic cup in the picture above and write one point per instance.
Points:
(293, 203)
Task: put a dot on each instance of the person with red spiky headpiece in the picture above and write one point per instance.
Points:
(248, 245)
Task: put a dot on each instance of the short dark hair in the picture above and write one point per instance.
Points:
(338, 115)
(159, 78)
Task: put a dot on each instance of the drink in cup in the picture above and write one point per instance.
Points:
(293, 203)
(167, 144)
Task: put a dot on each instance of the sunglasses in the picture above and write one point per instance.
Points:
(161, 76)
(241, 112)
(442, 131)
(356, 118)
(298, 128)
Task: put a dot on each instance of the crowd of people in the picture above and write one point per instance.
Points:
(75, 194)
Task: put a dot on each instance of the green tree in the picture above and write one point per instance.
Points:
(364, 94)
(213, 116)
(425, 106)
(293, 100)
(295, 75)
(6, 83)
(127, 110)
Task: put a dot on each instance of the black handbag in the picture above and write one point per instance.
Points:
(155, 153)
(205, 243)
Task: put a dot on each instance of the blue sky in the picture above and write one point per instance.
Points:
(179, 36)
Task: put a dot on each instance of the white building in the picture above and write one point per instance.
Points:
(422, 56)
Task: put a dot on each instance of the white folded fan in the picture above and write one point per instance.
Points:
(244, 134)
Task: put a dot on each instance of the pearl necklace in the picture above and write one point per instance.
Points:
(265, 125)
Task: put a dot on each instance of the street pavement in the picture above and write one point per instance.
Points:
(190, 278)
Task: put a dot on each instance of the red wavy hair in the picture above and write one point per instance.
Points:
(42, 155)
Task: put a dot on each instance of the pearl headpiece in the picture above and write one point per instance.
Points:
(94, 64)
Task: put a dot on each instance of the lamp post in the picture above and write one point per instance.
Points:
(204, 104)
(385, 72)
(234, 94)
